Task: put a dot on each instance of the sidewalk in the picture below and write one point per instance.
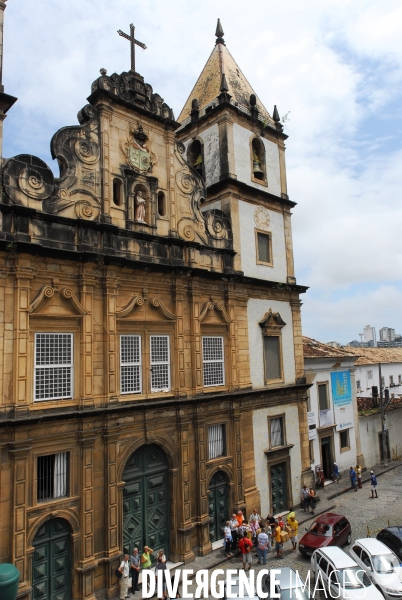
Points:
(326, 504)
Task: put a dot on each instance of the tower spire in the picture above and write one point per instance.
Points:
(219, 33)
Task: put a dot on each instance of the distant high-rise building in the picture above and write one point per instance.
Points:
(387, 334)
(369, 335)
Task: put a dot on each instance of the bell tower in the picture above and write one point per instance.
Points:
(238, 148)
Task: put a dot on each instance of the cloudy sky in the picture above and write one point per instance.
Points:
(334, 66)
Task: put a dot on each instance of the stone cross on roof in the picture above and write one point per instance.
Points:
(133, 42)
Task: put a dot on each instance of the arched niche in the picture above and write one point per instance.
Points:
(142, 208)
(117, 191)
(162, 208)
(195, 156)
(258, 163)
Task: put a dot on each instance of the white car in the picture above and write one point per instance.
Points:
(381, 565)
(342, 576)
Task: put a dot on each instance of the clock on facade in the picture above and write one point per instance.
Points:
(261, 218)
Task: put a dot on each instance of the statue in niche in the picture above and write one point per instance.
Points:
(139, 207)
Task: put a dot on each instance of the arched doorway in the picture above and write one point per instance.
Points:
(146, 500)
(218, 505)
(51, 568)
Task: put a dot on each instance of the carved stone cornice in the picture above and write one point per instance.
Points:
(131, 306)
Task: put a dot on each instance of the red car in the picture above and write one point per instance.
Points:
(328, 529)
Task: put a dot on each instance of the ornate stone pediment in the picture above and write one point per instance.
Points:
(28, 181)
(218, 308)
(272, 322)
(58, 300)
(211, 227)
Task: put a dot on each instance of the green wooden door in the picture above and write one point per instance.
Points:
(146, 500)
(218, 506)
(279, 488)
(51, 577)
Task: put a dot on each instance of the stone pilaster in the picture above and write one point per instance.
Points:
(185, 526)
(179, 350)
(195, 341)
(110, 285)
(171, 181)
(88, 283)
(105, 112)
(113, 509)
(21, 389)
(226, 148)
(87, 563)
(19, 452)
(290, 266)
(295, 305)
(282, 167)
(201, 450)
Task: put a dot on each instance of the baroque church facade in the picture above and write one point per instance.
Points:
(151, 371)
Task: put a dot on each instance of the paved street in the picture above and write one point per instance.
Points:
(358, 507)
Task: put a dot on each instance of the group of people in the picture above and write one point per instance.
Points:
(242, 535)
(308, 499)
(356, 480)
(131, 566)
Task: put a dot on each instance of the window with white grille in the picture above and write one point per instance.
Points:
(130, 364)
(53, 378)
(272, 357)
(160, 363)
(52, 476)
(277, 437)
(213, 361)
(216, 441)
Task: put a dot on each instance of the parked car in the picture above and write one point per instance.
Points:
(290, 585)
(392, 537)
(328, 529)
(342, 576)
(380, 564)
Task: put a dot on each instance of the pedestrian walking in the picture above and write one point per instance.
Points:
(123, 581)
(160, 573)
(313, 500)
(359, 476)
(305, 494)
(352, 475)
(233, 526)
(336, 473)
(322, 478)
(262, 547)
(227, 532)
(278, 540)
(245, 546)
(294, 527)
(373, 479)
(135, 565)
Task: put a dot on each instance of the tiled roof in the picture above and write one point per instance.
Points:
(373, 356)
(315, 349)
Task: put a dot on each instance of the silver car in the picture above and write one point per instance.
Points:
(380, 564)
(290, 586)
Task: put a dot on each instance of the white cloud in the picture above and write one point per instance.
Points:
(336, 66)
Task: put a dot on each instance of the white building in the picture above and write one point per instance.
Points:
(369, 335)
(333, 431)
(387, 334)
(368, 366)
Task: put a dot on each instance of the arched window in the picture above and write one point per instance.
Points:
(161, 204)
(258, 170)
(195, 157)
(117, 191)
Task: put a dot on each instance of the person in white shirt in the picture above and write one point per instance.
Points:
(228, 537)
(125, 571)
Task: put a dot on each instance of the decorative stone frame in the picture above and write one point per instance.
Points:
(274, 457)
(257, 144)
(269, 235)
(271, 325)
(149, 185)
(284, 438)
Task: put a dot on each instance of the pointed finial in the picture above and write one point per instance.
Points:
(219, 33)
(275, 115)
(224, 84)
